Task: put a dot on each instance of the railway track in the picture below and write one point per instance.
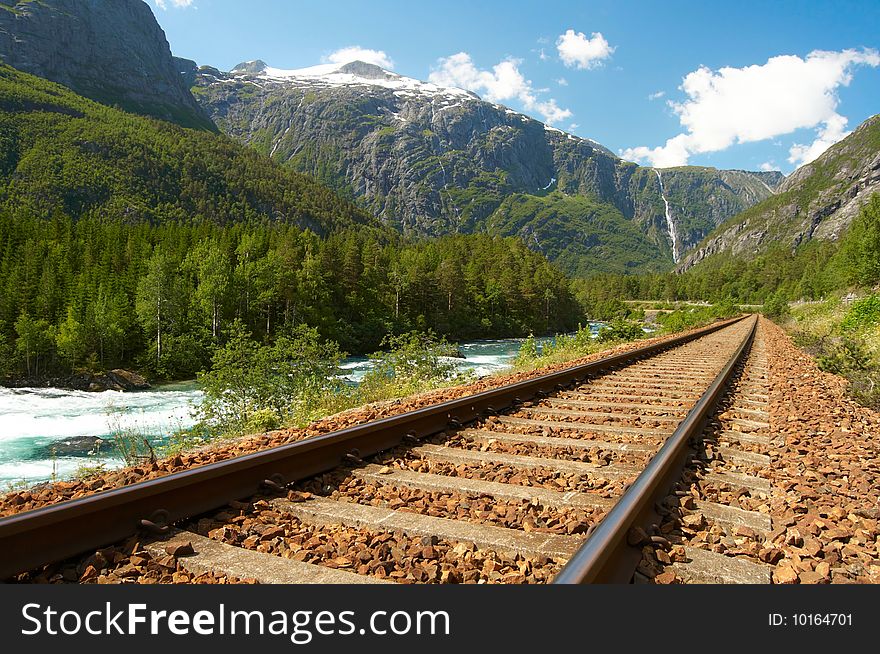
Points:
(563, 478)
(716, 519)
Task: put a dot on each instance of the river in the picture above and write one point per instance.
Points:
(48, 433)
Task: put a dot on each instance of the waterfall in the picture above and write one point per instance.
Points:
(670, 223)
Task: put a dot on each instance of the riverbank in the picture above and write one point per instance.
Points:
(117, 379)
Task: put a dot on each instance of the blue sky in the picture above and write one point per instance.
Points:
(743, 84)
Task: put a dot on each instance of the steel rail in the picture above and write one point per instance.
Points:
(53, 533)
(608, 555)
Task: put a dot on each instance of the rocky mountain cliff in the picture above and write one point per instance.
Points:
(113, 52)
(818, 200)
(432, 160)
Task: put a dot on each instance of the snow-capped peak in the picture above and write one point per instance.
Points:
(361, 73)
(351, 73)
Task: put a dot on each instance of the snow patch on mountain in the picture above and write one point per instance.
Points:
(355, 73)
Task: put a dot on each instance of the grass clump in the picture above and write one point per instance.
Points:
(563, 348)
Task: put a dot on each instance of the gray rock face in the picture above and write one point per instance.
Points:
(112, 51)
(817, 201)
(434, 160)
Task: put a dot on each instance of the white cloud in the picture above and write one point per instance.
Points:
(504, 82)
(674, 153)
(181, 4)
(657, 95)
(576, 50)
(573, 127)
(562, 81)
(357, 53)
(759, 102)
(542, 55)
(768, 166)
(834, 130)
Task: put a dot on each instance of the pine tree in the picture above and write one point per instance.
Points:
(157, 303)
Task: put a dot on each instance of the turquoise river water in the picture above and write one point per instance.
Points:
(49, 432)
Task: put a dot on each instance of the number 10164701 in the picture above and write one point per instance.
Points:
(810, 620)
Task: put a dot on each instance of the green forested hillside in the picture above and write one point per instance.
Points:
(581, 235)
(61, 154)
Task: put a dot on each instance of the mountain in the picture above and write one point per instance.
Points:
(62, 154)
(112, 52)
(818, 201)
(432, 160)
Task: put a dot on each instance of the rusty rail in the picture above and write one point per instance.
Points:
(608, 555)
(54, 533)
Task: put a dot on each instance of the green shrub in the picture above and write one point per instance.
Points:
(411, 362)
(253, 387)
(863, 313)
(851, 359)
(844, 356)
(861, 246)
(528, 350)
(621, 330)
(776, 306)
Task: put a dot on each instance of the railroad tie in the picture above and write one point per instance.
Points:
(323, 511)
(742, 457)
(739, 480)
(748, 425)
(755, 404)
(643, 393)
(671, 399)
(444, 483)
(731, 517)
(462, 456)
(677, 408)
(582, 426)
(214, 556)
(485, 435)
(704, 567)
(568, 413)
(755, 414)
(743, 438)
(640, 385)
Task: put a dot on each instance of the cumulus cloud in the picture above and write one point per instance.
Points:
(657, 95)
(768, 166)
(562, 81)
(576, 50)
(503, 83)
(357, 53)
(832, 131)
(182, 4)
(754, 103)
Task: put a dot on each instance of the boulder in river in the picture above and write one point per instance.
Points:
(128, 380)
(118, 380)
